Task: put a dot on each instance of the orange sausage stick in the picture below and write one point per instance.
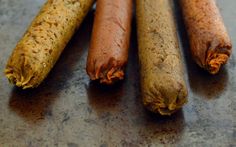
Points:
(210, 43)
(108, 52)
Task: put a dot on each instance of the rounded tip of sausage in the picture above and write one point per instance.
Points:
(158, 103)
(111, 77)
(216, 59)
(107, 77)
(106, 71)
(18, 80)
(214, 64)
(22, 77)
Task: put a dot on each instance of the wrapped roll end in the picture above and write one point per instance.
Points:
(108, 77)
(18, 80)
(21, 75)
(217, 58)
(165, 104)
(215, 63)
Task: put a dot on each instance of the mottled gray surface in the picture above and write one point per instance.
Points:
(68, 110)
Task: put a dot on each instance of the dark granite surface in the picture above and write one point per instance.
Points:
(68, 110)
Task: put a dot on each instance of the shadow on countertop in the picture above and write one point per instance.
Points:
(104, 98)
(34, 105)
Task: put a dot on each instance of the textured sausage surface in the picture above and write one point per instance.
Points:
(209, 41)
(39, 49)
(162, 82)
(108, 51)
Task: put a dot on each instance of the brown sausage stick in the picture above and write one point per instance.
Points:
(209, 41)
(108, 51)
(162, 75)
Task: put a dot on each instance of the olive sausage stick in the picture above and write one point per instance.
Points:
(39, 49)
(209, 41)
(108, 51)
(162, 79)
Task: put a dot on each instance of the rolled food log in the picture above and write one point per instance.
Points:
(210, 44)
(108, 52)
(162, 78)
(39, 49)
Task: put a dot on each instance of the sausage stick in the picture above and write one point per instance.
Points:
(162, 81)
(209, 41)
(108, 51)
(39, 49)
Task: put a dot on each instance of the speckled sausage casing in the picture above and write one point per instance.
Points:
(162, 82)
(108, 53)
(209, 41)
(39, 49)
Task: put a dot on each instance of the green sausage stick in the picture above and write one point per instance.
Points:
(42, 44)
(162, 80)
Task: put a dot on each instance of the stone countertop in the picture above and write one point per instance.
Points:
(69, 110)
